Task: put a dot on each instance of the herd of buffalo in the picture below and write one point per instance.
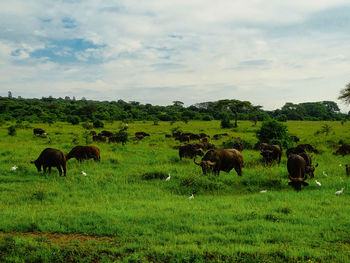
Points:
(299, 162)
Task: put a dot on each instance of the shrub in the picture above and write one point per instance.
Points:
(11, 130)
(274, 132)
(74, 120)
(121, 136)
(207, 117)
(225, 122)
(98, 124)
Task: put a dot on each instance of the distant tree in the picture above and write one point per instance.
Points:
(66, 98)
(345, 94)
(9, 94)
(235, 106)
(98, 124)
(177, 103)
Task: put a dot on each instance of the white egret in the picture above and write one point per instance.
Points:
(191, 197)
(168, 178)
(340, 191)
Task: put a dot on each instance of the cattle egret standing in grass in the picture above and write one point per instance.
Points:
(191, 197)
(324, 173)
(318, 183)
(340, 191)
(263, 191)
(340, 165)
(83, 173)
(13, 168)
(168, 178)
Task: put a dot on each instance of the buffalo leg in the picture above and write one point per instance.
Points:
(44, 168)
(59, 169)
(64, 169)
(238, 169)
(49, 169)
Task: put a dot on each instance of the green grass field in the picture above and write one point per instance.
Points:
(124, 210)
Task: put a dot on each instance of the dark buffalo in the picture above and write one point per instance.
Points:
(204, 145)
(176, 134)
(271, 153)
(51, 158)
(99, 138)
(93, 133)
(106, 133)
(307, 147)
(343, 150)
(139, 137)
(294, 150)
(294, 138)
(195, 136)
(84, 152)
(260, 146)
(221, 160)
(189, 151)
(206, 139)
(141, 134)
(38, 131)
(202, 135)
(238, 146)
(298, 167)
(183, 138)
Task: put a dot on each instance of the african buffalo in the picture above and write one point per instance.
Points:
(99, 138)
(106, 133)
(206, 139)
(271, 153)
(93, 133)
(204, 145)
(294, 150)
(141, 134)
(84, 152)
(298, 168)
(221, 160)
(343, 150)
(38, 131)
(51, 158)
(307, 147)
(183, 138)
(238, 146)
(189, 151)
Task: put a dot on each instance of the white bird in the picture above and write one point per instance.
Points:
(168, 178)
(263, 191)
(340, 191)
(324, 173)
(83, 173)
(340, 165)
(191, 197)
(13, 168)
(318, 183)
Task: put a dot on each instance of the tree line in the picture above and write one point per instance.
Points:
(49, 110)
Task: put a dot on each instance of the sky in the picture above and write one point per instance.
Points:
(157, 51)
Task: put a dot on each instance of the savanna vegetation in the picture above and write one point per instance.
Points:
(124, 209)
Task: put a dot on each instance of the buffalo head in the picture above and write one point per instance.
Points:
(310, 170)
(207, 166)
(37, 164)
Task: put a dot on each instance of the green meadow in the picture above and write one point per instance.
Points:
(124, 210)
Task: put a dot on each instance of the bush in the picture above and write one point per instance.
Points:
(98, 124)
(225, 122)
(274, 132)
(121, 136)
(74, 120)
(282, 117)
(207, 117)
(11, 130)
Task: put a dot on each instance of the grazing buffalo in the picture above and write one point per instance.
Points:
(347, 169)
(141, 134)
(106, 133)
(84, 152)
(38, 131)
(189, 151)
(221, 160)
(206, 139)
(308, 148)
(183, 138)
(294, 150)
(195, 136)
(202, 135)
(343, 150)
(238, 146)
(176, 134)
(294, 138)
(93, 133)
(260, 146)
(99, 138)
(271, 153)
(298, 167)
(204, 145)
(51, 158)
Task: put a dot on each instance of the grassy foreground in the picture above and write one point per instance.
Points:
(124, 210)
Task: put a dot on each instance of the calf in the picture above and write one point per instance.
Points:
(84, 152)
(343, 150)
(51, 158)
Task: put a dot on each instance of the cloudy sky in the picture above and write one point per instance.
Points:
(158, 51)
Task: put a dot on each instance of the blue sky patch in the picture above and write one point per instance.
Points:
(64, 51)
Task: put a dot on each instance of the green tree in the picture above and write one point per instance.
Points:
(273, 132)
(235, 106)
